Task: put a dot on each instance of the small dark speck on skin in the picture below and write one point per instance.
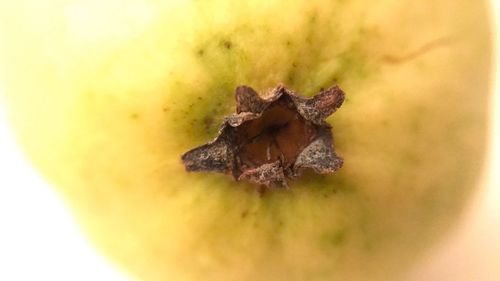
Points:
(227, 44)
(165, 109)
(244, 214)
(291, 77)
(200, 52)
(208, 121)
(134, 116)
(338, 238)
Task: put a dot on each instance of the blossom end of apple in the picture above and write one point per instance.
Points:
(269, 140)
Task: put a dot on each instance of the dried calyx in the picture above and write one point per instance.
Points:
(271, 139)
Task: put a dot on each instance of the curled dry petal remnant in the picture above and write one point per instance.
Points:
(269, 140)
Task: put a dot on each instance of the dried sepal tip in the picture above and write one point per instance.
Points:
(269, 140)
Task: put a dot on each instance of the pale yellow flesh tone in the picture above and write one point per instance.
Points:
(106, 95)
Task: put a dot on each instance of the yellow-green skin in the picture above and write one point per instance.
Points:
(106, 95)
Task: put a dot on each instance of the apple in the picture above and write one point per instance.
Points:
(105, 97)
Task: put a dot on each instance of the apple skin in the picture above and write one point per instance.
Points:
(105, 97)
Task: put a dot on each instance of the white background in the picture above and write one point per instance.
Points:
(39, 240)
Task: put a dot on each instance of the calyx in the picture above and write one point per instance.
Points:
(269, 140)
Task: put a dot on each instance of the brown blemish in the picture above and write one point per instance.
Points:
(208, 122)
(244, 214)
(227, 44)
(422, 50)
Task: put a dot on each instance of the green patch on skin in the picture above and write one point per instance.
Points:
(134, 116)
(214, 99)
(326, 185)
(352, 65)
(333, 239)
(200, 52)
(198, 114)
(410, 159)
(330, 65)
(312, 63)
(308, 52)
(200, 109)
